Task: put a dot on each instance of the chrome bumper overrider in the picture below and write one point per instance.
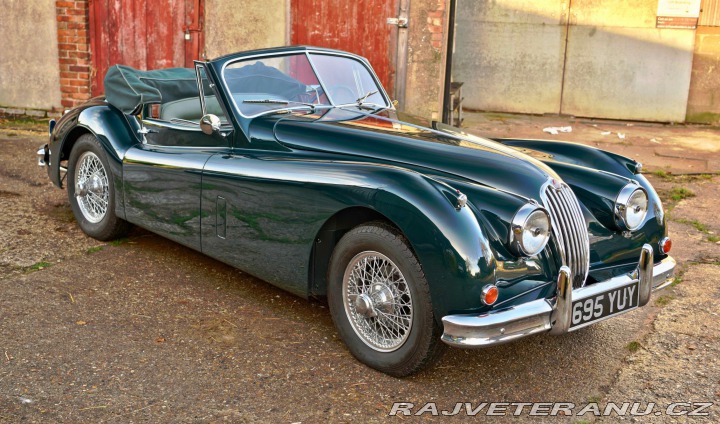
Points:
(553, 315)
(42, 155)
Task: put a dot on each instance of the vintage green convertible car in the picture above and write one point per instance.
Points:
(292, 164)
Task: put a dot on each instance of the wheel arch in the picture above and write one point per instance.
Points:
(328, 236)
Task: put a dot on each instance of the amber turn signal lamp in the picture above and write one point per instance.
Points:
(666, 245)
(489, 294)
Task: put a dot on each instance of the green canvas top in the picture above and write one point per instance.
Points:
(128, 89)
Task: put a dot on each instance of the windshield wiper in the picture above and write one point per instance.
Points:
(280, 102)
(362, 99)
(281, 111)
(273, 101)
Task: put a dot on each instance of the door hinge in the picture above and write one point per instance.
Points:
(400, 22)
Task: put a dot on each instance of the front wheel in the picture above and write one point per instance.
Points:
(91, 191)
(380, 301)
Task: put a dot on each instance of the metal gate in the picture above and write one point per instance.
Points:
(587, 58)
(360, 27)
(143, 34)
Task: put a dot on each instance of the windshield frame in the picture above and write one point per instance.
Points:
(308, 54)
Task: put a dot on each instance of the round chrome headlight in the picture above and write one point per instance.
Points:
(631, 206)
(529, 230)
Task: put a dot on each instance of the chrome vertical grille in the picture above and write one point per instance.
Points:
(569, 228)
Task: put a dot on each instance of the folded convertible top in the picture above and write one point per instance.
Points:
(128, 89)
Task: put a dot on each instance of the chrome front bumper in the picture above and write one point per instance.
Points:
(553, 315)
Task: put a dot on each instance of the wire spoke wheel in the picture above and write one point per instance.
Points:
(377, 301)
(92, 190)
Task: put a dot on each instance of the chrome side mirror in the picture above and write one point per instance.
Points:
(209, 124)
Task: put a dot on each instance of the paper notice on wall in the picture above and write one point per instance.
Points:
(678, 14)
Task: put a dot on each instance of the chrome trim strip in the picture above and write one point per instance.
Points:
(554, 315)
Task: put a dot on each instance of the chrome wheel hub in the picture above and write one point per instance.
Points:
(377, 301)
(92, 189)
(379, 298)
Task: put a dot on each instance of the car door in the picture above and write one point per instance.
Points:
(162, 176)
(261, 215)
(162, 180)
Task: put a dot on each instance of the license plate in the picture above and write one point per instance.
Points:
(604, 305)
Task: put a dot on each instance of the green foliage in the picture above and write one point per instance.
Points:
(695, 223)
(663, 300)
(119, 241)
(633, 346)
(662, 174)
(679, 193)
(38, 266)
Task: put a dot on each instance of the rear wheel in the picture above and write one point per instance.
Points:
(91, 191)
(380, 301)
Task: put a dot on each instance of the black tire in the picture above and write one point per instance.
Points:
(421, 345)
(99, 226)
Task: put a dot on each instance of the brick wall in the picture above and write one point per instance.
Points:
(435, 21)
(73, 51)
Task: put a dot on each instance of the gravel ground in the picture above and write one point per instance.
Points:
(145, 330)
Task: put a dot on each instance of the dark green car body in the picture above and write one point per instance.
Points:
(272, 195)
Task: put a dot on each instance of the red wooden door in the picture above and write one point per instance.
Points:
(144, 34)
(358, 26)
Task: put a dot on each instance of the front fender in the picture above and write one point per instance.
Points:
(575, 154)
(450, 242)
(453, 244)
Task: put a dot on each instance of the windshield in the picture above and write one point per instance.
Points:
(278, 84)
(347, 80)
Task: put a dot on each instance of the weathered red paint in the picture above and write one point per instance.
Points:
(143, 34)
(356, 26)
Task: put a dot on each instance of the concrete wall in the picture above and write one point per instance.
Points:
(511, 56)
(29, 70)
(232, 26)
(704, 101)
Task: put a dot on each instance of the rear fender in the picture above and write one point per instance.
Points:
(115, 132)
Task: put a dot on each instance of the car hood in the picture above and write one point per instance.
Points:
(443, 151)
